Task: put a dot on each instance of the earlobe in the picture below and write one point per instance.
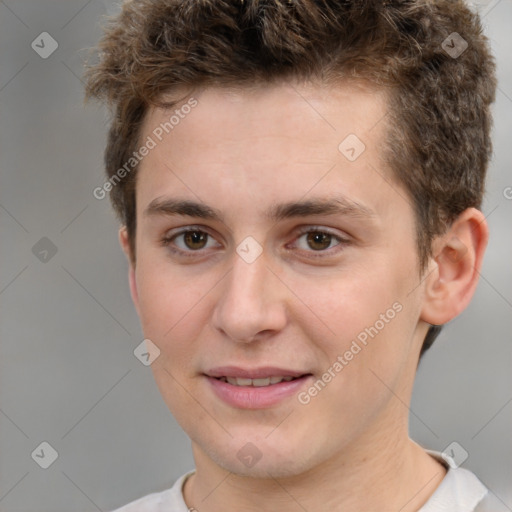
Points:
(125, 245)
(455, 267)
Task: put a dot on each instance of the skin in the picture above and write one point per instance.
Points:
(296, 306)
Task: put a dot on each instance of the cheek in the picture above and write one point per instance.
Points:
(172, 315)
(343, 306)
(172, 310)
(363, 352)
(363, 317)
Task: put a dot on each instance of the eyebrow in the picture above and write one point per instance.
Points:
(332, 206)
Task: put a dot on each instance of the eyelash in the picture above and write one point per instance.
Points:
(342, 242)
(167, 241)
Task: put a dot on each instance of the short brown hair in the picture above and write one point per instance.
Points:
(438, 126)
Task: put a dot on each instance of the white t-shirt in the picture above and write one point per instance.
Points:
(459, 491)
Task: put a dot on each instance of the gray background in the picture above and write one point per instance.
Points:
(68, 329)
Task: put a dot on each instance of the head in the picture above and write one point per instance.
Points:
(267, 97)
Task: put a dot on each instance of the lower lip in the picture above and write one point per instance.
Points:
(251, 397)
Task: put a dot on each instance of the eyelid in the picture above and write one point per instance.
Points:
(171, 235)
(321, 229)
(168, 239)
(342, 241)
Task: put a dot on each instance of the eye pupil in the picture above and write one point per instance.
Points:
(195, 239)
(318, 241)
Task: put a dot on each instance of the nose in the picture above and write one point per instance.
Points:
(252, 302)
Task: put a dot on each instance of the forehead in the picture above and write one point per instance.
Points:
(275, 142)
(287, 109)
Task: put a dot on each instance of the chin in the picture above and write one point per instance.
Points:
(264, 458)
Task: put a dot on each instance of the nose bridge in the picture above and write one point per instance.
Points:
(247, 305)
(247, 279)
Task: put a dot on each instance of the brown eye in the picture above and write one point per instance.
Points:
(195, 239)
(318, 241)
(190, 241)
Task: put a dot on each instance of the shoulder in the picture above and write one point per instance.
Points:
(460, 490)
(170, 500)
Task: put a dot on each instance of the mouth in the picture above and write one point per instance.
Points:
(257, 383)
(255, 388)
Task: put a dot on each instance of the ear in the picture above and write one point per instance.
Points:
(455, 267)
(124, 240)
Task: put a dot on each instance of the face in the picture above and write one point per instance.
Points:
(269, 245)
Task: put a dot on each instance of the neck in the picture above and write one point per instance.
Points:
(391, 473)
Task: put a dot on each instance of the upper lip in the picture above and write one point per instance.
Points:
(253, 373)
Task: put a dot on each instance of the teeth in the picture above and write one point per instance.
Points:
(235, 381)
(261, 382)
